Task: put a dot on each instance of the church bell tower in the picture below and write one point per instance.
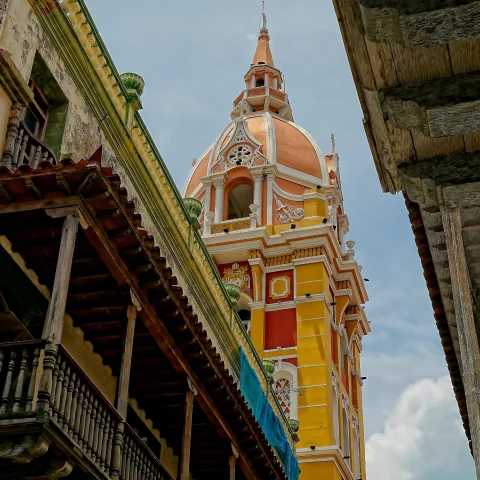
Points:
(274, 221)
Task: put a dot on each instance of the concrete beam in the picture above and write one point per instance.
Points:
(451, 180)
(420, 23)
(442, 107)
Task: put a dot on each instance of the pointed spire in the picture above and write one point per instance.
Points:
(263, 53)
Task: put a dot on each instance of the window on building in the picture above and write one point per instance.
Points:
(36, 113)
(244, 311)
(239, 202)
(260, 82)
(245, 317)
(45, 116)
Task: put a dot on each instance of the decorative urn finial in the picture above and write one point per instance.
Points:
(133, 81)
(234, 292)
(194, 209)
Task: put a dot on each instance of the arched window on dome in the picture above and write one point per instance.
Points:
(239, 201)
(244, 312)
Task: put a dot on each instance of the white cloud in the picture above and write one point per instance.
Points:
(423, 437)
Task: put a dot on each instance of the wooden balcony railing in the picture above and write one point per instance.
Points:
(75, 405)
(138, 461)
(83, 413)
(18, 374)
(22, 147)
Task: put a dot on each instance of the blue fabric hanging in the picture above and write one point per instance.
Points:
(269, 422)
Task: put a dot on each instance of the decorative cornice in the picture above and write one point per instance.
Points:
(307, 260)
(320, 297)
(273, 307)
(257, 305)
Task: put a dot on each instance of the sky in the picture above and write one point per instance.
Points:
(193, 56)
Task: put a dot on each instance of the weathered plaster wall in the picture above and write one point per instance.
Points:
(23, 37)
(89, 361)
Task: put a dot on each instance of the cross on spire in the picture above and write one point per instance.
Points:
(264, 17)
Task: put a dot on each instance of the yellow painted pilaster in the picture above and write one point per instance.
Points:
(313, 357)
(257, 330)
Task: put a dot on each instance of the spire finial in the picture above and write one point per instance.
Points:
(264, 16)
(333, 143)
(263, 28)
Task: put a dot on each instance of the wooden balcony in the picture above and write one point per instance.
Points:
(22, 147)
(55, 398)
(79, 237)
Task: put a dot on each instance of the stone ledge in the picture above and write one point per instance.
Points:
(420, 23)
(442, 107)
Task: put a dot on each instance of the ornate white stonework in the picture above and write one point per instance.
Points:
(240, 155)
(335, 384)
(346, 404)
(286, 214)
(355, 425)
(241, 150)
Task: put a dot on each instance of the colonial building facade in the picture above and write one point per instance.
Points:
(416, 67)
(274, 222)
(121, 353)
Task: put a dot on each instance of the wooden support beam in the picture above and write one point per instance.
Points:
(126, 362)
(467, 334)
(56, 310)
(187, 433)
(233, 462)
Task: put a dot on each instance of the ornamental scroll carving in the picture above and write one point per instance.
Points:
(237, 275)
(287, 214)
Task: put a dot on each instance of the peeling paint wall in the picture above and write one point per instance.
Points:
(23, 37)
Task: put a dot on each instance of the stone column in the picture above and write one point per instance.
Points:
(219, 184)
(207, 182)
(257, 176)
(467, 335)
(270, 206)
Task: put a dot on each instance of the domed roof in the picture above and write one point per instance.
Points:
(282, 142)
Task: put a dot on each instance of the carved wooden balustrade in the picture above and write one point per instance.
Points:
(138, 461)
(70, 400)
(18, 373)
(22, 147)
